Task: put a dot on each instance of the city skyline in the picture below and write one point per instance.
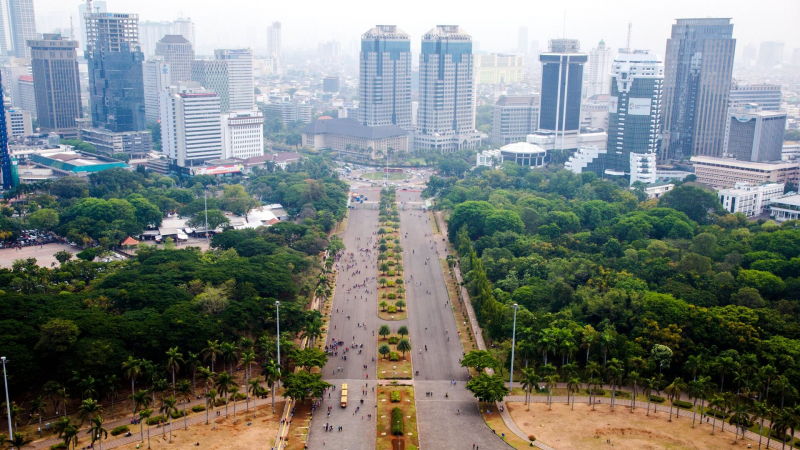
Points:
(772, 21)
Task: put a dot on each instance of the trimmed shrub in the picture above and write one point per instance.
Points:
(710, 412)
(747, 424)
(598, 391)
(198, 408)
(177, 414)
(397, 421)
(394, 340)
(119, 430)
(531, 437)
(220, 402)
(657, 399)
(395, 396)
(683, 404)
(390, 263)
(392, 309)
(390, 283)
(59, 446)
(392, 296)
(391, 273)
(155, 419)
(239, 396)
(622, 394)
(394, 356)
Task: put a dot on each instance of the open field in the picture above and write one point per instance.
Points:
(565, 429)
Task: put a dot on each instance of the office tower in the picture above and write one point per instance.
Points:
(498, 68)
(753, 134)
(241, 88)
(5, 157)
(98, 6)
(56, 82)
(178, 52)
(384, 82)
(23, 26)
(274, 46)
(329, 49)
(185, 27)
(514, 118)
(697, 82)
(11, 74)
(767, 96)
(522, 41)
(6, 46)
(446, 119)
(27, 95)
(157, 76)
(330, 84)
(749, 55)
(600, 59)
(562, 77)
(18, 122)
(213, 76)
(770, 54)
(191, 130)
(243, 134)
(152, 32)
(289, 111)
(116, 86)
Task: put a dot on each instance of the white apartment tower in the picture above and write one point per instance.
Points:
(22, 21)
(191, 130)
(385, 77)
(157, 77)
(600, 59)
(446, 120)
(243, 134)
(241, 89)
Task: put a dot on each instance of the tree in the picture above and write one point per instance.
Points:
(308, 358)
(302, 384)
(234, 390)
(404, 346)
(144, 415)
(185, 390)
(661, 355)
(271, 372)
(19, 441)
(230, 354)
(400, 305)
(96, 431)
(402, 331)
(698, 204)
(132, 368)
(384, 331)
(551, 381)
(529, 382)
(216, 219)
(488, 388)
(479, 359)
(174, 361)
(223, 383)
(57, 336)
(37, 409)
(211, 352)
(44, 219)
(573, 386)
(384, 349)
(674, 391)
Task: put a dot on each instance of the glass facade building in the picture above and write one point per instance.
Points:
(56, 82)
(5, 157)
(385, 77)
(562, 79)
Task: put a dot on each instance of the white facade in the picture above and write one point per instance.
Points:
(243, 134)
(191, 130)
(748, 199)
(785, 208)
(643, 168)
(241, 89)
(18, 123)
(23, 26)
(656, 191)
(157, 76)
(274, 46)
(488, 158)
(600, 59)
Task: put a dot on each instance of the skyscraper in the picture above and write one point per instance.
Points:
(753, 134)
(562, 79)
(115, 71)
(23, 26)
(191, 127)
(5, 157)
(179, 54)
(274, 45)
(56, 82)
(770, 54)
(97, 6)
(151, 32)
(600, 59)
(241, 88)
(446, 120)
(157, 76)
(384, 82)
(213, 76)
(697, 82)
(522, 41)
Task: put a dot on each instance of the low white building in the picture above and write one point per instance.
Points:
(658, 189)
(243, 134)
(748, 199)
(522, 153)
(785, 208)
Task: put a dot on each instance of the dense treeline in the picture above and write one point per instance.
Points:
(606, 278)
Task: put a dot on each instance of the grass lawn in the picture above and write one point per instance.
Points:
(496, 423)
(385, 406)
(378, 176)
(400, 315)
(394, 370)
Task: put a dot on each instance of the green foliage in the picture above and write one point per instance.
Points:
(395, 396)
(119, 430)
(657, 399)
(394, 356)
(154, 420)
(198, 408)
(393, 340)
(397, 421)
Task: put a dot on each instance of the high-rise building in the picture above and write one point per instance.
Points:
(23, 26)
(562, 79)
(767, 96)
(749, 55)
(191, 129)
(178, 52)
(116, 87)
(522, 41)
(241, 88)
(514, 118)
(274, 45)
(289, 111)
(446, 121)
(753, 134)
(796, 57)
(56, 81)
(27, 95)
(634, 122)
(600, 59)
(330, 84)
(243, 134)
(6, 46)
(385, 77)
(5, 157)
(770, 54)
(497, 68)
(98, 6)
(11, 74)
(157, 76)
(152, 32)
(18, 122)
(697, 82)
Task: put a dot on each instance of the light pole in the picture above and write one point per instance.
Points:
(8, 403)
(513, 344)
(205, 208)
(278, 315)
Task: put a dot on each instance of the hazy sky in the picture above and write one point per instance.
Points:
(494, 24)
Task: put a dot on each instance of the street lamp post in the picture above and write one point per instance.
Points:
(205, 208)
(278, 315)
(8, 403)
(513, 344)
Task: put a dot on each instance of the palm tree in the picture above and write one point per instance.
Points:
(529, 382)
(271, 372)
(230, 354)
(89, 409)
(718, 403)
(248, 356)
(96, 431)
(674, 392)
(614, 374)
(647, 389)
(70, 435)
(19, 441)
(141, 399)
(207, 377)
(132, 368)
(634, 379)
(760, 411)
(185, 391)
(404, 346)
(695, 390)
(211, 400)
(573, 386)
(781, 423)
(740, 417)
(693, 364)
(312, 330)
(592, 370)
(211, 352)
(224, 383)
(595, 384)
(38, 408)
(144, 416)
(384, 349)
(254, 388)
(233, 391)
(160, 386)
(551, 380)
(110, 384)
(174, 361)
(193, 363)
(167, 409)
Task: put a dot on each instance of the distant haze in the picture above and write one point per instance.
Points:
(494, 24)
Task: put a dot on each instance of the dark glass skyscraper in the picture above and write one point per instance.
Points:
(116, 85)
(697, 82)
(562, 79)
(56, 81)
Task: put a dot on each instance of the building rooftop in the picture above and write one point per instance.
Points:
(517, 100)
(447, 32)
(523, 147)
(75, 162)
(174, 39)
(730, 162)
(790, 200)
(385, 32)
(350, 127)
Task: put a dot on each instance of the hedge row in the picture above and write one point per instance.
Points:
(683, 404)
(119, 430)
(198, 408)
(657, 399)
(155, 419)
(397, 421)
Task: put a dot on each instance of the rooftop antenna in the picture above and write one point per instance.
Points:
(630, 29)
(563, 29)
(71, 29)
